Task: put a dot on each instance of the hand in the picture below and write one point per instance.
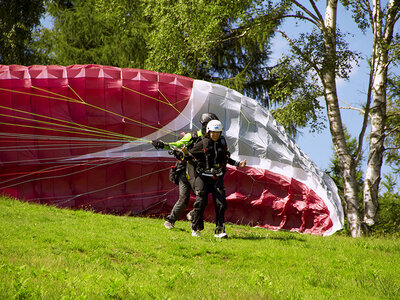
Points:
(242, 163)
(184, 151)
(157, 144)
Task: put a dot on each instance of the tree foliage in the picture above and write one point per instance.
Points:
(389, 208)
(220, 41)
(228, 42)
(18, 20)
(108, 32)
(392, 141)
(297, 85)
(295, 93)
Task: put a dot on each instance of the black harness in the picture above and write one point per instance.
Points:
(180, 166)
(213, 168)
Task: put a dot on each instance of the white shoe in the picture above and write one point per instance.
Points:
(169, 225)
(196, 233)
(221, 235)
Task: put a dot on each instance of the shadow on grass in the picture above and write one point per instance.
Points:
(288, 238)
(267, 237)
(254, 238)
(180, 229)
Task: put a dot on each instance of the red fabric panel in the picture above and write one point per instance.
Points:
(284, 203)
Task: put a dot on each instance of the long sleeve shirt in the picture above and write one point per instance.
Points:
(183, 141)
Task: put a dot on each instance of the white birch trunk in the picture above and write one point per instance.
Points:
(346, 162)
(382, 38)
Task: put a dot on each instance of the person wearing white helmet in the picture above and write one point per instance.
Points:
(177, 174)
(205, 169)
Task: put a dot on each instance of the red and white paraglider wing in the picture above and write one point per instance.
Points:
(79, 136)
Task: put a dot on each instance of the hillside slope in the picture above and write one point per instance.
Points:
(49, 253)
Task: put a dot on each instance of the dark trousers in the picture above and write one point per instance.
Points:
(184, 196)
(203, 186)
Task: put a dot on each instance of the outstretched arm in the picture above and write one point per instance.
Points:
(239, 164)
(158, 144)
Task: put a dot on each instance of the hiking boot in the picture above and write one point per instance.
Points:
(220, 233)
(195, 233)
(169, 225)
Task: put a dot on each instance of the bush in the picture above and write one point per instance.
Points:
(388, 215)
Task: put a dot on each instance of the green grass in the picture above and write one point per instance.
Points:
(50, 253)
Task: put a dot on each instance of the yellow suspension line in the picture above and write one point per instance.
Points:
(59, 130)
(55, 124)
(67, 99)
(180, 113)
(56, 94)
(123, 117)
(142, 94)
(42, 96)
(78, 126)
(167, 102)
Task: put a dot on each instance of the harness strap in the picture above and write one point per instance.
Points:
(207, 154)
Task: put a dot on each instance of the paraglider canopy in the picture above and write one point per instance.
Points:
(80, 136)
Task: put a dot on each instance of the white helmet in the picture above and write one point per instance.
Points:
(214, 125)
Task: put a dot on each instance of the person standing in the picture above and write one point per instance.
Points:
(206, 168)
(179, 176)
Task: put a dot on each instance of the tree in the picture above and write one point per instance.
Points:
(18, 20)
(382, 21)
(228, 42)
(330, 63)
(218, 41)
(108, 32)
(325, 54)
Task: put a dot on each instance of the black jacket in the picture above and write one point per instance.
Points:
(207, 154)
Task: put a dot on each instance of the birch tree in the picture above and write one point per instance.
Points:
(381, 20)
(329, 63)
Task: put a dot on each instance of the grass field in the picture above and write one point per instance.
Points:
(50, 253)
